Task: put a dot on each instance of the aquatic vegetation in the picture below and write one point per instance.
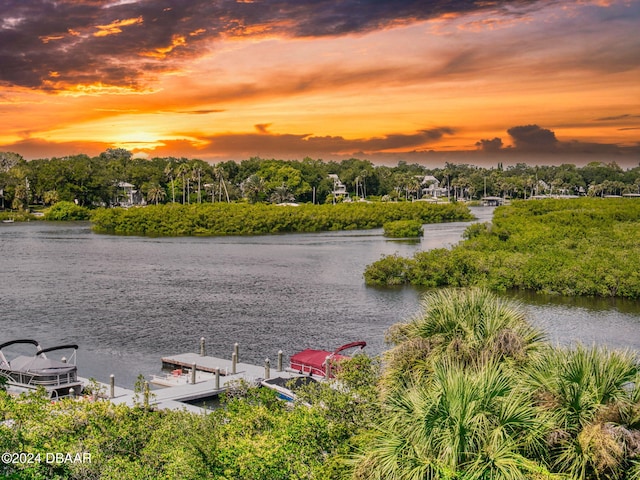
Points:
(259, 219)
(583, 246)
(403, 229)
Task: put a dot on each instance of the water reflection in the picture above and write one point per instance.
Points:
(622, 305)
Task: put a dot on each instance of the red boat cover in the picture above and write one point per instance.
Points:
(314, 358)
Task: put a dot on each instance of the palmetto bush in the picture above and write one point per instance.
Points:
(471, 391)
(467, 326)
(591, 396)
(459, 422)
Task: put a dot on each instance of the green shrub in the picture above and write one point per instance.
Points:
(403, 229)
(389, 270)
(67, 211)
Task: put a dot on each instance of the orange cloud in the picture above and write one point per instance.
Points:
(48, 38)
(235, 79)
(161, 52)
(114, 28)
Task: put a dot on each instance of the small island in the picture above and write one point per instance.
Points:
(581, 246)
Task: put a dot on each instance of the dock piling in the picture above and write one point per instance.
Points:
(267, 369)
(327, 368)
(112, 386)
(193, 374)
(202, 349)
(234, 362)
(236, 350)
(218, 378)
(279, 360)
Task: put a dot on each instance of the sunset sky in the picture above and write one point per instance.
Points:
(435, 81)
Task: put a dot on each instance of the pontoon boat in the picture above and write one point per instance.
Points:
(25, 373)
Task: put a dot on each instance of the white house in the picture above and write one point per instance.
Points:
(339, 188)
(430, 186)
(127, 195)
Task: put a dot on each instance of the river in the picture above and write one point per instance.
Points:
(128, 301)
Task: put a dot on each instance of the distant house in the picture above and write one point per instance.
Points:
(127, 195)
(339, 188)
(430, 186)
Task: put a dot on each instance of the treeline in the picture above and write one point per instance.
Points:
(469, 390)
(583, 246)
(100, 181)
(247, 219)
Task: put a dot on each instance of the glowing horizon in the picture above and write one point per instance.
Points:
(287, 80)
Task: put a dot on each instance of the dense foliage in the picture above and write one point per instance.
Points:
(116, 177)
(253, 435)
(247, 219)
(403, 229)
(571, 247)
(469, 390)
(67, 211)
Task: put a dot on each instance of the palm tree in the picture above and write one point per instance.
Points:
(253, 187)
(156, 194)
(454, 399)
(50, 197)
(282, 194)
(412, 186)
(196, 174)
(182, 170)
(218, 174)
(168, 173)
(592, 396)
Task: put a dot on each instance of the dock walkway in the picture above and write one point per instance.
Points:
(178, 387)
(209, 364)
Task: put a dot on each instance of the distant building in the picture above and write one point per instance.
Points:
(127, 195)
(430, 186)
(339, 188)
(492, 201)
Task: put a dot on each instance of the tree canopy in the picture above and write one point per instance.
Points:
(94, 181)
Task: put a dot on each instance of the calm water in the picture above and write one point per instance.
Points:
(127, 301)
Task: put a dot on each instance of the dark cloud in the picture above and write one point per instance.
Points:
(306, 144)
(575, 146)
(490, 145)
(626, 116)
(33, 147)
(244, 145)
(201, 112)
(262, 127)
(537, 140)
(387, 149)
(533, 138)
(51, 45)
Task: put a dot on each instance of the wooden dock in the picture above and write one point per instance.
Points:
(203, 363)
(211, 377)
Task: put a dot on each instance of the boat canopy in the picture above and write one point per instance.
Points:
(314, 361)
(37, 364)
(28, 372)
(40, 365)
